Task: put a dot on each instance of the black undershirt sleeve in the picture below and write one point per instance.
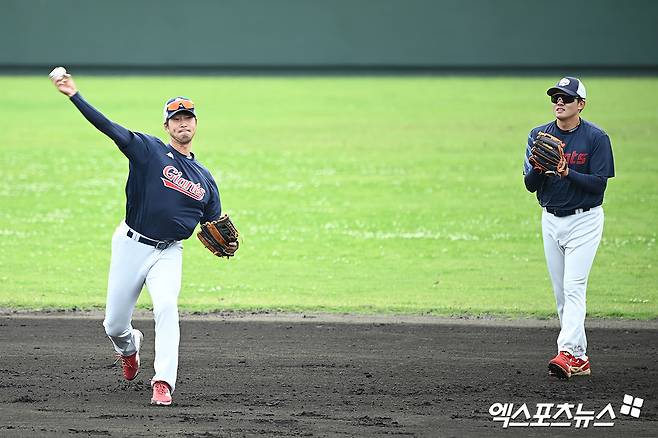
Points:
(590, 183)
(533, 180)
(116, 132)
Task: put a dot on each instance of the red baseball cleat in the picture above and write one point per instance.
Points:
(130, 364)
(560, 365)
(564, 365)
(580, 367)
(161, 393)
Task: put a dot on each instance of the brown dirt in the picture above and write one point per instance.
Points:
(327, 376)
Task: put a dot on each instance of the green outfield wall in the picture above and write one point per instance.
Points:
(326, 34)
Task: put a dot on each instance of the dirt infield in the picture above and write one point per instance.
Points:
(317, 377)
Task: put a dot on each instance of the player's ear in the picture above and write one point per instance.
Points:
(581, 104)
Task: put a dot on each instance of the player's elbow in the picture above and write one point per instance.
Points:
(604, 183)
(599, 186)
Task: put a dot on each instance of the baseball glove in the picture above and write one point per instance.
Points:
(547, 154)
(220, 237)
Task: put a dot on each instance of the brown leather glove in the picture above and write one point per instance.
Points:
(220, 237)
(547, 154)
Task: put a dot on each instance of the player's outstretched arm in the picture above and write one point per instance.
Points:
(64, 82)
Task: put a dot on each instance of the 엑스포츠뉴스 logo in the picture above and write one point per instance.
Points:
(563, 414)
(631, 406)
(173, 179)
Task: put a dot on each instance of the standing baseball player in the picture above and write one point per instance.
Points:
(168, 193)
(570, 191)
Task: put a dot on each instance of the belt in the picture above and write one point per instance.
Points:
(563, 213)
(157, 244)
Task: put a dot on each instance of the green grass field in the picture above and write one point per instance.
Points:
(362, 195)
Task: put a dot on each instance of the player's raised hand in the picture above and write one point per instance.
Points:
(63, 81)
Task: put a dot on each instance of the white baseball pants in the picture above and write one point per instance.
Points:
(133, 265)
(570, 244)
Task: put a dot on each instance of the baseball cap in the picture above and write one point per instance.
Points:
(176, 105)
(571, 86)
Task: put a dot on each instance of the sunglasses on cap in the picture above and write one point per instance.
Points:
(565, 98)
(178, 103)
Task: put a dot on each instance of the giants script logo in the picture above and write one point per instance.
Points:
(576, 158)
(174, 180)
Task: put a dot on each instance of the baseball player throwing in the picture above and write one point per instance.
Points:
(567, 163)
(168, 193)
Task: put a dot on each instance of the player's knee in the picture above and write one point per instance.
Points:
(575, 287)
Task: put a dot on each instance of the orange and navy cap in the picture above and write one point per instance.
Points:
(176, 105)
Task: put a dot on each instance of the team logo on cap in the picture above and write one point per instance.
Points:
(563, 82)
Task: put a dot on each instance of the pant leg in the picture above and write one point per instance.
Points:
(554, 253)
(163, 282)
(128, 267)
(581, 247)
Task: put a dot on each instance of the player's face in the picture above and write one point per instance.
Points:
(181, 127)
(565, 108)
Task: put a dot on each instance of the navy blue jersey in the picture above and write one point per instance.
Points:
(167, 193)
(589, 156)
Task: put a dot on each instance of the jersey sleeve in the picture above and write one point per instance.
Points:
(527, 167)
(213, 208)
(601, 161)
(139, 147)
(133, 146)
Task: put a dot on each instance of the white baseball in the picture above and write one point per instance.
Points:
(57, 73)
